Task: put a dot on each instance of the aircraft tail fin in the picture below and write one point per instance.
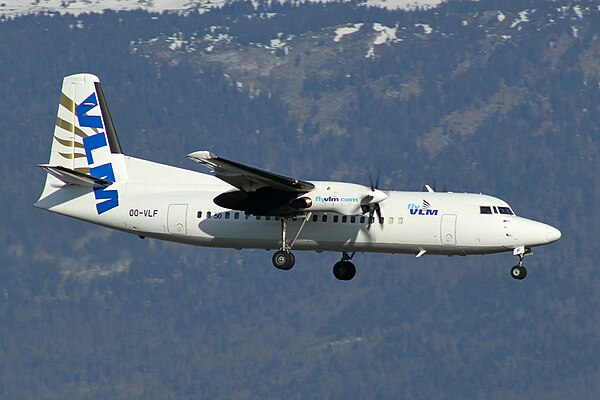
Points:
(85, 147)
(83, 124)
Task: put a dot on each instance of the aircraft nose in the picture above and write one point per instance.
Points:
(552, 234)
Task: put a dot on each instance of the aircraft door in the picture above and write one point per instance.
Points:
(448, 229)
(176, 219)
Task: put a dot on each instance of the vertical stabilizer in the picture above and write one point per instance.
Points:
(85, 143)
(82, 118)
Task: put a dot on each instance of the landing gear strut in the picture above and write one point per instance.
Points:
(519, 271)
(284, 259)
(344, 270)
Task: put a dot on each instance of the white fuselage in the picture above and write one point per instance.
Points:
(175, 204)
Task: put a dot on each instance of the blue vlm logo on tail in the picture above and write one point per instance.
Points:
(109, 199)
(424, 209)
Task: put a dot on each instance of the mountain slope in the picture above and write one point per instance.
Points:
(493, 96)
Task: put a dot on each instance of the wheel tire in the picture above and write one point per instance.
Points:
(518, 272)
(344, 270)
(283, 260)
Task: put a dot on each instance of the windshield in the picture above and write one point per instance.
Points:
(505, 210)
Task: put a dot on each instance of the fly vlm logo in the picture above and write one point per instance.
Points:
(108, 199)
(332, 199)
(422, 209)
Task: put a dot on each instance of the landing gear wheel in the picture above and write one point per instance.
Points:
(518, 272)
(344, 270)
(284, 260)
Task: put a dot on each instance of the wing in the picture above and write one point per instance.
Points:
(246, 178)
(260, 192)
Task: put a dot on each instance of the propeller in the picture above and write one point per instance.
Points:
(371, 201)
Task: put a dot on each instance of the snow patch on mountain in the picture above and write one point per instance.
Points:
(404, 4)
(14, 8)
(346, 30)
(386, 35)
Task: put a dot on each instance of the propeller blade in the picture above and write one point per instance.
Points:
(374, 208)
(370, 218)
(378, 212)
(374, 185)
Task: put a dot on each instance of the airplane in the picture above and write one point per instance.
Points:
(239, 206)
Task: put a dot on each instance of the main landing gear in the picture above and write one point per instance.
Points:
(344, 270)
(284, 259)
(519, 271)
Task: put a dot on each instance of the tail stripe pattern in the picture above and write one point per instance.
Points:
(84, 136)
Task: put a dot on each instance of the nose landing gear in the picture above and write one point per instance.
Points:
(519, 271)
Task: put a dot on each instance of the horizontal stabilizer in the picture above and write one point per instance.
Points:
(73, 177)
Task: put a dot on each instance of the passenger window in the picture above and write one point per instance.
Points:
(335, 218)
(344, 219)
(227, 215)
(324, 219)
(400, 220)
(246, 216)
(268, 218)
(199, 215)
(485, 210)
(381, 220)
(352, 219)
(208, 214)
(362, 220)
(315, 218)
(236, 215)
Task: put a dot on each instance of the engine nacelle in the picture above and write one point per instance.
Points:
(301, 203)
(338, 197)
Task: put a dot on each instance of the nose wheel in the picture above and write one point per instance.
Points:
(519, 272)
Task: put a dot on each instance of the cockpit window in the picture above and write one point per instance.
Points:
(505, 211)
(485, 210)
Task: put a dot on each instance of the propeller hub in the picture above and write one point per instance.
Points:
(377, 196)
